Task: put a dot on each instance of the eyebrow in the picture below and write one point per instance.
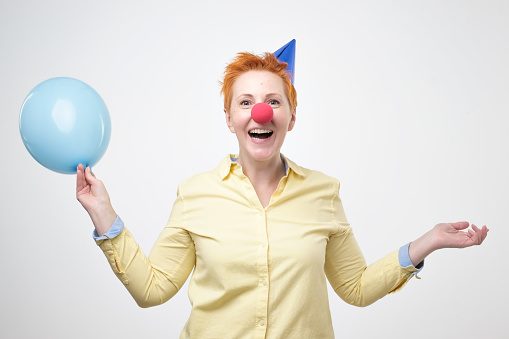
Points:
(266, 95)
(270, 94)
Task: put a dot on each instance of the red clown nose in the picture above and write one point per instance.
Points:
(262, 113)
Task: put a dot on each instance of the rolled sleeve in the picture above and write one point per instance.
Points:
(405, 261)
(115, 229)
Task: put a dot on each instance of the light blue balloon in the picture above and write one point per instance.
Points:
(64, 122)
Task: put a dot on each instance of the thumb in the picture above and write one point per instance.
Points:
(460, 225)
(90, 176)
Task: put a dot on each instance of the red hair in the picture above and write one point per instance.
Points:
(245, 62)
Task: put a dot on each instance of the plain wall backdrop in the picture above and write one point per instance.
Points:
(406, 102)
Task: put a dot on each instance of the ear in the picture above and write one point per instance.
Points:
(292, 121)
(229, 122)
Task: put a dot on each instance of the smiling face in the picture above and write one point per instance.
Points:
(259, 142)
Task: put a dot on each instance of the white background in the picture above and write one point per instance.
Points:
(404, 101)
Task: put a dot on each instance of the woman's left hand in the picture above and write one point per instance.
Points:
(452, 235)
(446, 235)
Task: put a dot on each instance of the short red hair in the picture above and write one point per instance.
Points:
(245, 62)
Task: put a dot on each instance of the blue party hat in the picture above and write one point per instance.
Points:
(287, 54)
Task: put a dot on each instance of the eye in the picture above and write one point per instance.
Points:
(273, 102)
(244, 103)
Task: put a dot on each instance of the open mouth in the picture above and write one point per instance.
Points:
(260, 133)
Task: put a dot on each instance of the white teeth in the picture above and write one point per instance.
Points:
(260, 131)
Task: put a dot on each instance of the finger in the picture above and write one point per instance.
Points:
(484, 233)
(79, 170)
(460, 225)
(80, 178)
(476, 234)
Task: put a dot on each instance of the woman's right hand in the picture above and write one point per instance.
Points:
(93, 196)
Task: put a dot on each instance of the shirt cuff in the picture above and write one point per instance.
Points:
(114, 230)
(404, 258)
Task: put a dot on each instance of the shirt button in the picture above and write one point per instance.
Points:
(265, 283)
(262, 323)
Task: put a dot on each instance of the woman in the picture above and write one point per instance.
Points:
(261, 233)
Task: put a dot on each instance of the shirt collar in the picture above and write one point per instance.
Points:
(225, 167)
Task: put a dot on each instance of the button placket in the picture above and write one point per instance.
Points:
(263, 272)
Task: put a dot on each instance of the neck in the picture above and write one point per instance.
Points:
(264, 173)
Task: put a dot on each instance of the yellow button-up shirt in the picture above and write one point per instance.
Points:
(258, 272)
